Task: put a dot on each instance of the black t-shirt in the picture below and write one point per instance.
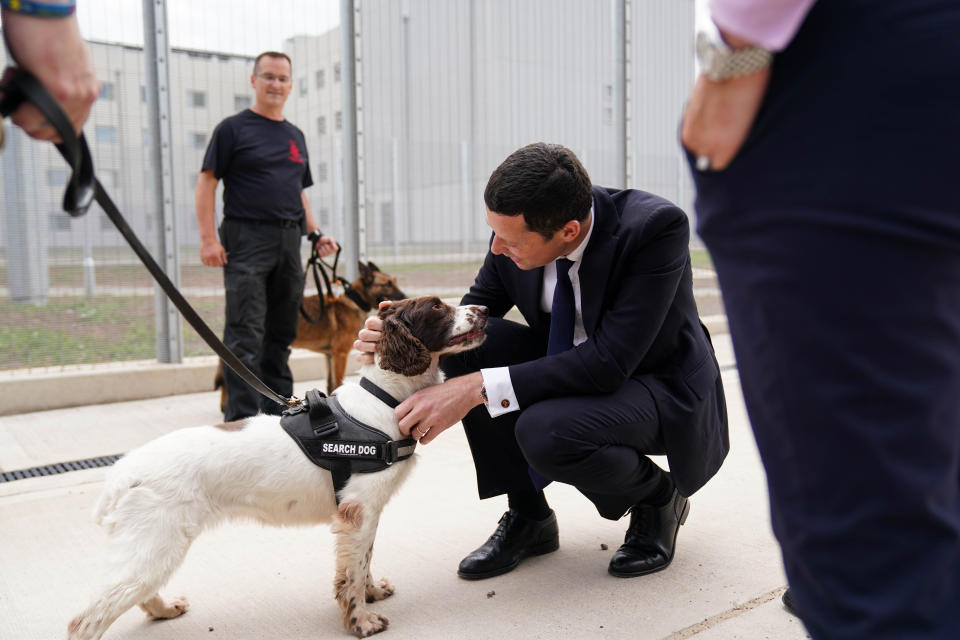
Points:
(263, 164)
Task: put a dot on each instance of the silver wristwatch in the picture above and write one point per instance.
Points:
(719, 62)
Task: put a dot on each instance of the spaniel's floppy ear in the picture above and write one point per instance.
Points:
(399, 350)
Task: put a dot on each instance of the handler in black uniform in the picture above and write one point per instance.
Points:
(262, 160)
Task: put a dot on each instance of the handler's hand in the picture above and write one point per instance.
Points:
(719, 116)
(212, 254)
(431, 411)
(55, 53)
(368, 336)
(326, 245)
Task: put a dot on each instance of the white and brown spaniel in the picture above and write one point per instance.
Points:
(159, 497)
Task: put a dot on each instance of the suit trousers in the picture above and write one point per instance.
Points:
(835, 233)
(598, 444)
(263, 279)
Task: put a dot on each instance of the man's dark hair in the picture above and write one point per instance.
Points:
(271, 54)
(543, 182)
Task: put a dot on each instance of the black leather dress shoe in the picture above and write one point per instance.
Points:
(516, 538)
(651, 538)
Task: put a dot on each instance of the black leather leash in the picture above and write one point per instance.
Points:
(83, 188)
(316, 265)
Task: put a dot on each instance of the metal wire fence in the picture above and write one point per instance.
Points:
(445, 90)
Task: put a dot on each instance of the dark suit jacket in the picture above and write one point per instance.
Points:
(641, 321)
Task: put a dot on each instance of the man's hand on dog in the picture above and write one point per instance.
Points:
(368, 336)
(431, 411)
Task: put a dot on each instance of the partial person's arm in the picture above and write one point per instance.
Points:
(770, 24)
(325, 245)
(720, 114)
(212, 253)
(52, 50)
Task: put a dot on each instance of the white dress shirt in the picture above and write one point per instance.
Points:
(501, 397)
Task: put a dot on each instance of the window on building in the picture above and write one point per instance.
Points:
(106, 135)
(339, 121)
(196, 99)
(336, 72)
(323, 218)
(322, 125)
(322, 172)
(106, 91)
(241, 102)
(320, 78)
(60, 221)
(303, 87)
(198, 140)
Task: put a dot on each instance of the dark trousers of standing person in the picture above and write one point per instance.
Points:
(835, 234)
(598, 444)
(263, 279)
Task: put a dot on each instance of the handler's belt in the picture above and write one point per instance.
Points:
(336, 441)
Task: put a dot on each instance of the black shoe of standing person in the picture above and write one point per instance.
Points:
(651, 538)
(789, 604)
(516, 538)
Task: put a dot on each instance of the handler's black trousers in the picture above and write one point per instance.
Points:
(598, 444)
(264, 284)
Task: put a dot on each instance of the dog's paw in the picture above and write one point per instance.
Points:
(383, 589)
(80, 628)
(157, 609)
(367, 623)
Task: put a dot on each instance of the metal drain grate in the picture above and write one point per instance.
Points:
(60, 467)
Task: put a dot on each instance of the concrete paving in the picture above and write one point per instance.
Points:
(245, 581)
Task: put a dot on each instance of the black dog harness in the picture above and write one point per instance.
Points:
(336, 441)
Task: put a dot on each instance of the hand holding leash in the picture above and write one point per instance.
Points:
(19, 86)
(55, 53)
(324, 245)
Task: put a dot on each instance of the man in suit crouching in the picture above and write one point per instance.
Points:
(613, 365)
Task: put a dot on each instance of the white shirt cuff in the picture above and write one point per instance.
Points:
(500, 396)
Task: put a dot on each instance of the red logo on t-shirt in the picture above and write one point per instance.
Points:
(294, 153)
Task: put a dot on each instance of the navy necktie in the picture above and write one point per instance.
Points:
(562, 314)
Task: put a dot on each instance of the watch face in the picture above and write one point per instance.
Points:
(706, 52)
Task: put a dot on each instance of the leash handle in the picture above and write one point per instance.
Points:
(84, 188)
(22, 87)
(318, 265)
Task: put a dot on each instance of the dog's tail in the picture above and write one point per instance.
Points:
(114, 488)
(219, 383)
(218, 377)
(106, 504)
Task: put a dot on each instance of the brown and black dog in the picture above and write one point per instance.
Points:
(336, 328)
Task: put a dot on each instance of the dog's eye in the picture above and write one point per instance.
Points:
(438, 306)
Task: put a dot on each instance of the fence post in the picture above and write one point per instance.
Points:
(354, 219)
(26, 223)
(156, 48)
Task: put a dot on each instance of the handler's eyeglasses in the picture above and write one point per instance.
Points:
(269, 77)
